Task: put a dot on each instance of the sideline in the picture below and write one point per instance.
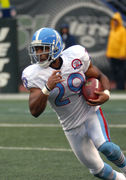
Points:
(50, 125)
(26, 95)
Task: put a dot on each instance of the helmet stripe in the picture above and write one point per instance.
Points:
(38, 32)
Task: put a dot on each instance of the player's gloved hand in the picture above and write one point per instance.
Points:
(102, 98)
(54, 79)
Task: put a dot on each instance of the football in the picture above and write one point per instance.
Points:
(88, 88)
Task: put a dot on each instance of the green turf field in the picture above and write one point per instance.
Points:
(36, 149)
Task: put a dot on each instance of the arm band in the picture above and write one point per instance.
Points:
(107, 92)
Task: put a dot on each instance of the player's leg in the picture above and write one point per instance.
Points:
(112, 151)
(88, 155)
(114, 154)
(99, 133)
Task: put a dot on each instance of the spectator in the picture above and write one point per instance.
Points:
(68, 39)
(6, 10)
(116, 50)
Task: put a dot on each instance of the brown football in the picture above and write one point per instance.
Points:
(88, 88)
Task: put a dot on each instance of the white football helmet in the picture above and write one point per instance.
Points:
(46, 37)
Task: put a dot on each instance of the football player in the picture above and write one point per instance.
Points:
(57, 76)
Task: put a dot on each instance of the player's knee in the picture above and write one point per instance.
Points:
(110, 150)
(106, 173)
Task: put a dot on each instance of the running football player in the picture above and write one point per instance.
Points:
(57, 76)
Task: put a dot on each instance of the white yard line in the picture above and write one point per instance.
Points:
(118, 97)
(26, 95)
(36, 149)
(29, 125)
(14, 96)
(51, 125)
(117, 125)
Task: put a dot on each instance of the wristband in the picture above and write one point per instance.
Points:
(46, 90)
(107, 92)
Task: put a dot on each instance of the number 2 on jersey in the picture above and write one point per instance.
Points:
(60, 100)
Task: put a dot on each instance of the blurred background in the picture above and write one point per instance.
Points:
(88, 22)
(37, 149)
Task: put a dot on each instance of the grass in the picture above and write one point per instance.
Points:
(45, 164)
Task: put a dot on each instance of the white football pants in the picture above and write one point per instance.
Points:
(85, 139)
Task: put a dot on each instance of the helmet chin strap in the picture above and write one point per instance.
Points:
(46, 63)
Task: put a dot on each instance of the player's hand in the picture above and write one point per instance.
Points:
(102, 98)
(54, 79)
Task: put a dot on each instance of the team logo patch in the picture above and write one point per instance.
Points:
(76, 63)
